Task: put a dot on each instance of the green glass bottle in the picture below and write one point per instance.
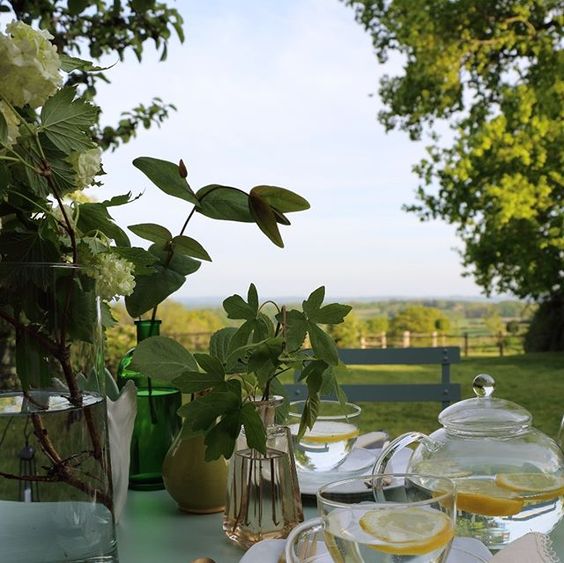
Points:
(156, 424)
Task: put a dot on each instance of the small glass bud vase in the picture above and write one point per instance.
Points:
(263, 497)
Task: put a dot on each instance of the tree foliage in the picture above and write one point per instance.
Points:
(494, 70)
(96, 28)
(417, 319)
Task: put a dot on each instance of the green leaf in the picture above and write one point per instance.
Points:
(332, 314)
(219, 342)
(67, 121)
(3, 129)
(180, 264)
(152, 232)
(139, 257)
(152, 289)
(68, 64)
(220, 440)
(195, 381)
(237, 308)
(75, 7)
(94, 217)
(262, 328)
(189, 247)
(210, 364)
(254, 428)
(265, 219)
(241, 337)
(315, 366)
(166, 177)
(296, 328)
(252, 298)
(322, 344)
(118, 200)
(224, 203)
(281, 199)
(309, 414)
(314, 301)
(162, 358)
(141, 6)
(203, 411)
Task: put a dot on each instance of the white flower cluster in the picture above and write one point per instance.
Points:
(86, 165)
(114, 276)
(12, 121)
(29, 65)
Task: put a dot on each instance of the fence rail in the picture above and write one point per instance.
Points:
(487, 344)
(500, 343)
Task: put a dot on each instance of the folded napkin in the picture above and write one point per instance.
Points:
(531, 548)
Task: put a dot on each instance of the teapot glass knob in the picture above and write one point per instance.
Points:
(483, 385)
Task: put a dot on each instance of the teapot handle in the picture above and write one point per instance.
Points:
(394, 446)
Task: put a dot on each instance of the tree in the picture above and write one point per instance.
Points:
(377, 325)
(417, 319)
(348, 333)
(94, 27)
(494, 71)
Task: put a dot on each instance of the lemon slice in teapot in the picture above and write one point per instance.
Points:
(542, 486)
(485, 497)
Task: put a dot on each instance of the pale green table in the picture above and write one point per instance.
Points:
(152, 530)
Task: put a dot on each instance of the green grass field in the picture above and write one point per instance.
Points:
(535, 381)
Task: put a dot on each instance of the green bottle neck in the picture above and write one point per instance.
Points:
(147, 328)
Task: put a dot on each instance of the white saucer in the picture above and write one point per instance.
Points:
(359, 462)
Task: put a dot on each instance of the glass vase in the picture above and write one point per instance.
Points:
(156, 423)
(55, 478)
(263, 496)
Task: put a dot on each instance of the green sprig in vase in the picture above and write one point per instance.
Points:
(156, 424)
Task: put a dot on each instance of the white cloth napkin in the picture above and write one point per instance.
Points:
(531, 548)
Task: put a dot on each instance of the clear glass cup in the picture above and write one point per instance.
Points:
(325, 446)
(379, 519)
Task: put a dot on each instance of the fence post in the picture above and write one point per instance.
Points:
(500, 343)
(384, 341)
(466, 344)
(406, 338)
(362, 342)
(434, 336)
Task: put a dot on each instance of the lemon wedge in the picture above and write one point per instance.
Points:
(409, 531)
(486, 498)
(542, 486)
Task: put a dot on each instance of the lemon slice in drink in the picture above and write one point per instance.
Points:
(486, 498)
(541, 486)
(327, 432)
(409, 531)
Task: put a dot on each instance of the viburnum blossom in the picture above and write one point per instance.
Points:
(86, 165)
(12, 122)
(29, 65)
(113, 274)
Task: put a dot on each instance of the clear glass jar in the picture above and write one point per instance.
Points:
(263, 496)
(55, 480)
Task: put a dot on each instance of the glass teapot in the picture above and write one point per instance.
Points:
(509, 476)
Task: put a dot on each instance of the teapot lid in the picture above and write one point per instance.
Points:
(485, 415)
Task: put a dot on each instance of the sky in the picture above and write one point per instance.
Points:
(284, 94)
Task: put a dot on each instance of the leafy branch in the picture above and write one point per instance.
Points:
(245, 363)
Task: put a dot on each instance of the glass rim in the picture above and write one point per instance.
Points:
(356, 410)
(438, 498)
